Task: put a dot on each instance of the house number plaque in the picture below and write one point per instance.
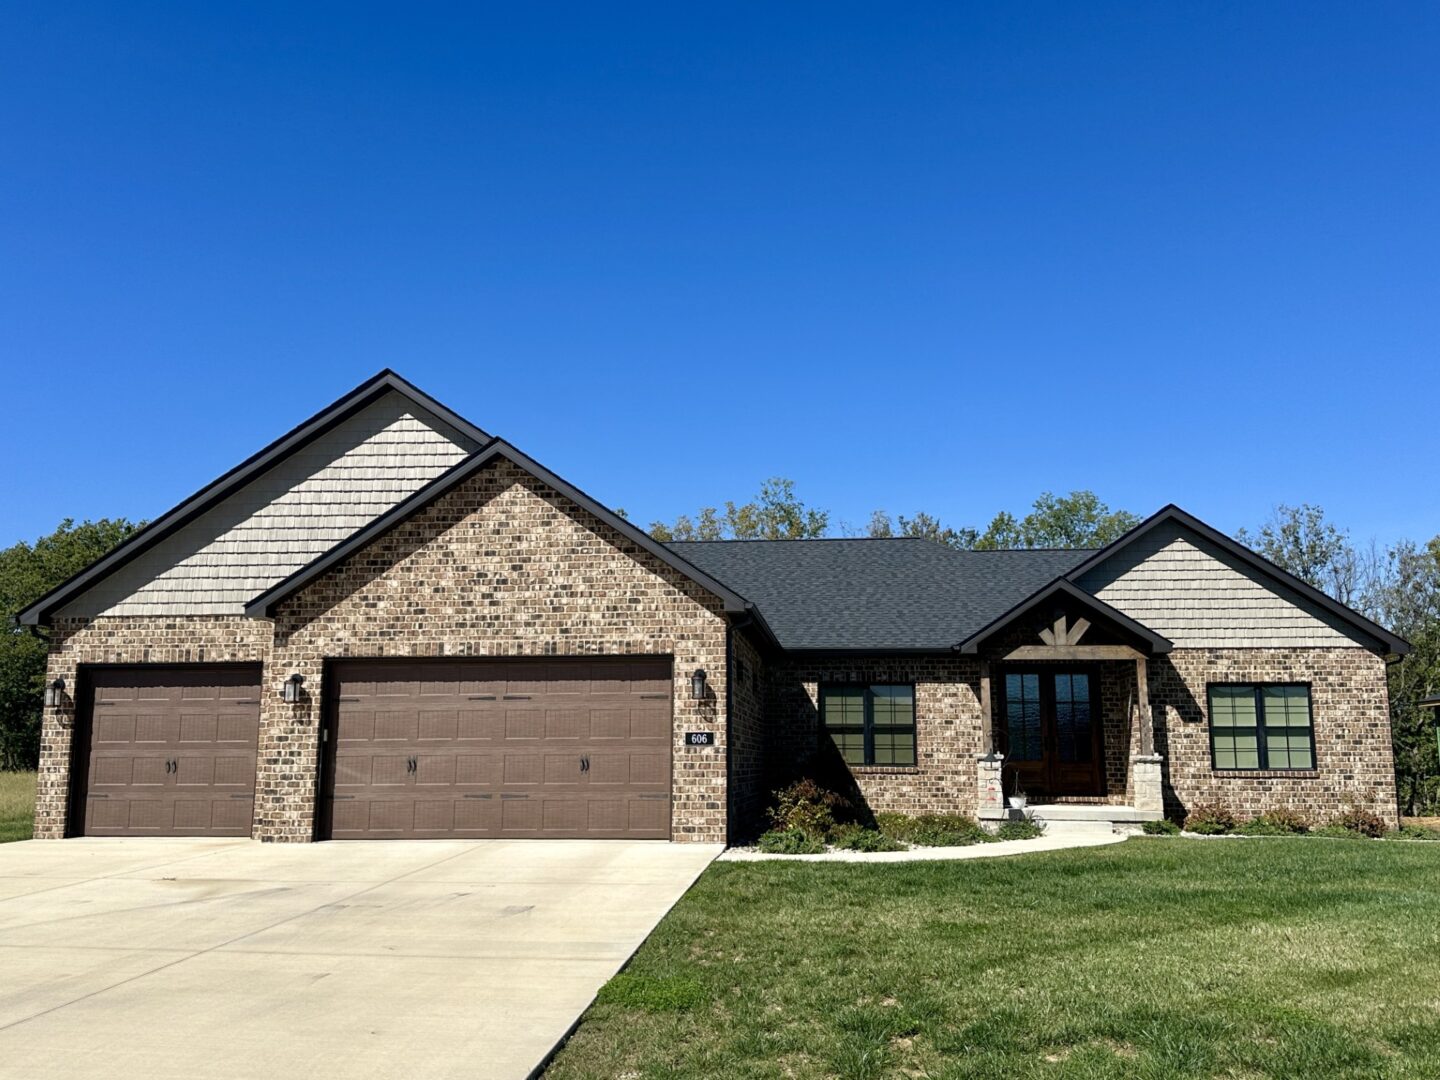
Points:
(699, 738)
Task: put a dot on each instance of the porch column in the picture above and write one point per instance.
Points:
(1146, 791)
(989, 783)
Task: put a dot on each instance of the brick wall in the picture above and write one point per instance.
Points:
(500, 566)
(1350, 707)
(748, 742)
(947, 732)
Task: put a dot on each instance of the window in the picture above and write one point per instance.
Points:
(1261, 726)
(871, 725)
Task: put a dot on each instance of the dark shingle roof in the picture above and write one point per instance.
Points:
(890, 594)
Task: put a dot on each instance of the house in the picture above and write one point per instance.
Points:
(390, 623)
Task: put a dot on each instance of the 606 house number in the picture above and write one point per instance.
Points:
(699, 738)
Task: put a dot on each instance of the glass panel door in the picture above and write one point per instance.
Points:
(1074, 738)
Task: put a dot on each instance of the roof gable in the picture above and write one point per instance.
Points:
(1203, 589)
(1063, 592)
(264, 605)
(385, 412)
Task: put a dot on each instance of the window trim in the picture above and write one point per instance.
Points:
(868, 723)
(1262, 749)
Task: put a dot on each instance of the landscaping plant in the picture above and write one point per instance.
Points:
(1163, 827)
(1210, 819)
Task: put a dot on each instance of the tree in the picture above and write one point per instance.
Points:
(1077, 520)
(775, 514)
(1300, 540)
(27, 572)
(923, 526)
(1405, 596)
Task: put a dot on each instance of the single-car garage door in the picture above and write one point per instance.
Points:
(487, 748)
(168, 751)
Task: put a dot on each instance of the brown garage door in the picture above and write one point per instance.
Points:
(169, 751)
(477, 748)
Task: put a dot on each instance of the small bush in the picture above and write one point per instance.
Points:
(1413, 832)
(1025, 828)
(897, 826)
(790, 842)
(1275, 823)
(947, 830)
(652, 993)
(810, 808)
(1361, 821)
(854, 837)
(1210, 819)
(1162, 827)
(1339, 832)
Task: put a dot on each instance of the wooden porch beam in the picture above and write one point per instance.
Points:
(1147, 726)
(1074, 652)
(987, 717)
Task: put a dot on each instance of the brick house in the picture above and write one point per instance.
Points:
(390, 623)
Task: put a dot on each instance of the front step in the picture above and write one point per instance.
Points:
(1082, 817)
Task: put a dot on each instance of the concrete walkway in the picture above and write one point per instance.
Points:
(156, 958)
(1057, 838)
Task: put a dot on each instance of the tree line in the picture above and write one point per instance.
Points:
(1398, 587)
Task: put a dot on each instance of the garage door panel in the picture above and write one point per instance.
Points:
(442, 724)
(199, 727)
(120, 772)
(498, 747)
(192, 770)
(114, 730)
(434, 769)
(156, 728)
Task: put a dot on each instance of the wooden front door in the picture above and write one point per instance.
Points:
(1051, 721)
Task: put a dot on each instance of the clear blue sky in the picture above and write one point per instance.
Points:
(935, 257)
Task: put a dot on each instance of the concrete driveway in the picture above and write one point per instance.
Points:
(187, 958)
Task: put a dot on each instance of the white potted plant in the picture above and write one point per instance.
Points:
(1017, 798)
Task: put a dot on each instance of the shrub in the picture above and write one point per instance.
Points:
(1361, 821)
(854, 837)
(900, 827)
(790, 842)
(807, 806)
(1025, 828)
(652, 993)
(1163, 827)
(1413, 832)
(947, 830)
(1276, 823)
(1210, 819)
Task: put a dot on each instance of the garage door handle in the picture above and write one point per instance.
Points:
(584, 763)
(517, 697)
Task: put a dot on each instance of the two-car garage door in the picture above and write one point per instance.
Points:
(499, 748)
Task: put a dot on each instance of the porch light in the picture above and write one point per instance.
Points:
(290, 689)
(55, 694)
(697, 684)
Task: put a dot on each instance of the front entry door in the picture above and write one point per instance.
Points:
(1052, 731)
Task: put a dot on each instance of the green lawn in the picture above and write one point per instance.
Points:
(1160, 958)
(17, 805)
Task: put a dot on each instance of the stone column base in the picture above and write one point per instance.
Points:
(990, 788)
(1145, 783)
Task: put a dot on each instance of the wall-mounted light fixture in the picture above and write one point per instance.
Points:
(55, 694)
(290, 689)
(697, 684)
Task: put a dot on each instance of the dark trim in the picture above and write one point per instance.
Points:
(82, 727)
(1391, 643)
(217, 490)
(1262, 752)
(1150, 642)
(263, 606)
(867, 726)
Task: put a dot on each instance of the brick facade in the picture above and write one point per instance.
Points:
(502, 565)
(1350, 707)
(499, 566)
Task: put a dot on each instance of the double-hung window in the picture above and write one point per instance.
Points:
(871, 725)
(1261, 726)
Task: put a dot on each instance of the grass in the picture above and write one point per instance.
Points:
(1286, 958)
(17, 805)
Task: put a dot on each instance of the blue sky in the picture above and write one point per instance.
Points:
(914, 257)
